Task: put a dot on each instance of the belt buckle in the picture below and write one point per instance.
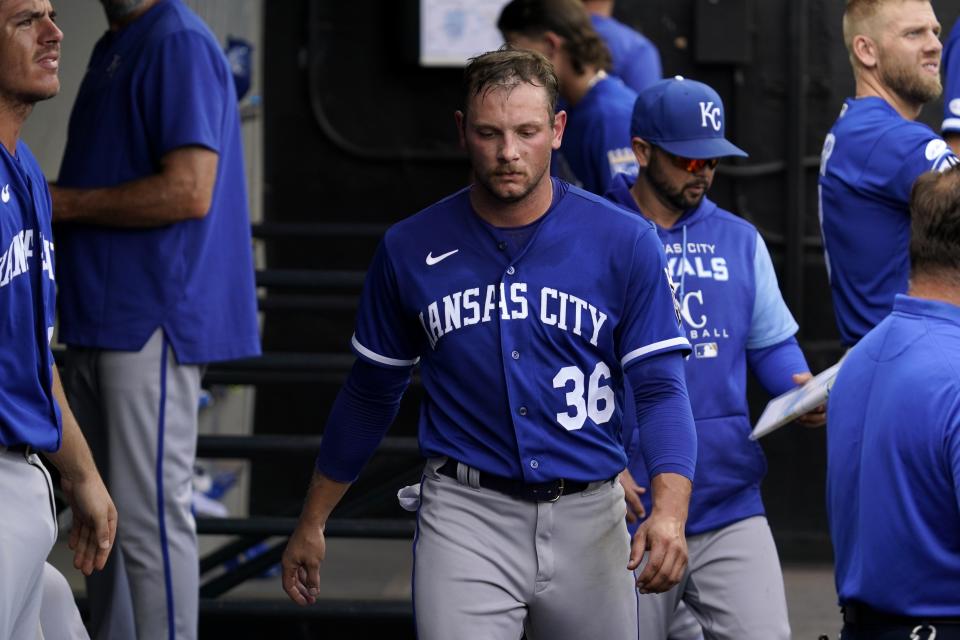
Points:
(549, 493)
(915, 634)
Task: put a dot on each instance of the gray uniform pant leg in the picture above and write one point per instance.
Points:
(139, 412)
(59, 617)
(28, 529)
(490, 566)
(733, 585)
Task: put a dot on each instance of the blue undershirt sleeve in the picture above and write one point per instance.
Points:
(667, 437)
(363, 411)
(775, 365)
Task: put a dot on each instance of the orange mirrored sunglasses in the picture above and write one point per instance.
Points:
(692, 165)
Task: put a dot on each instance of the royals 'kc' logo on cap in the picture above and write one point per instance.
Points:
(712, 113)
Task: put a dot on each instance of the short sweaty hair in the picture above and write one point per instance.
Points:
(568, 19)
(509, 67)
(935, 225)
(858, 12)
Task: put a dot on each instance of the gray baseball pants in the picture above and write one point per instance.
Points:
(59, 617)
(138, 411)
(733, 586)
(490, 566)
(28, 529)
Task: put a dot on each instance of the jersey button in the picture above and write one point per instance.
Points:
(515, 355)
(534, 464)
(511, 270)
(502, 246)
(522, 411)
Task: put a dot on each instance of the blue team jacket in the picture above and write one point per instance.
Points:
(711, 255)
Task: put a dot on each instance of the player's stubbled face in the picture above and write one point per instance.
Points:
(675, 187)
(509, 134)
(29, 51)
(908, 57)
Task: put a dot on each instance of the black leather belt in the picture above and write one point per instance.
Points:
(22, 449)
(529, 491)
(860, 614)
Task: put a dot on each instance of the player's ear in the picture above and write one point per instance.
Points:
(559, 124)
(461, 123)
(642, 150)
(865, 51)
(554, 43)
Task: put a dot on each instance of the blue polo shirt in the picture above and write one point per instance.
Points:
(159, 84)
(29, 414)
(893, 464)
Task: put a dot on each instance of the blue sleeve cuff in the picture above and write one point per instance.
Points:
(775, 365)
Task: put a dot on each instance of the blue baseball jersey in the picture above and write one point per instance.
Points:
(29, 414)
(636, 60)
(730, 302)
(522, 356)
(157, 85)
(893, 464)
(596, 142)
(951, 75)
(870, 160)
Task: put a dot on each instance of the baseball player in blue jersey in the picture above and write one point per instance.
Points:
(34, 415)
(529, 304)
(157, 281)
(634, 59)
(735, 317)
(950, 129)
(598, 105)
(873, 154)
(893, 445)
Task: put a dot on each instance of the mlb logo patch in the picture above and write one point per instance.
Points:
(706, 350)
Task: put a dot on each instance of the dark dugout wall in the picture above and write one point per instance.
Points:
(357, 134)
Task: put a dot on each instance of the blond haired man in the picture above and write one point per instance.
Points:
(874, 153)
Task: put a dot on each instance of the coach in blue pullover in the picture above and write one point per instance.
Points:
(734, 315)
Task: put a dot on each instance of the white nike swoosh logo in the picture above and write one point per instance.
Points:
(432, 261)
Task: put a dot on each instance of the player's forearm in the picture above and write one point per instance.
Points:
(671, 496)
(324, 494)
(149, 202)
(74, 459)
(181, 190)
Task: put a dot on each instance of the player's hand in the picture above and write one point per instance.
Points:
(301, 561)
(94, 521)
(817, 417)
(631, 494)
(661, 537)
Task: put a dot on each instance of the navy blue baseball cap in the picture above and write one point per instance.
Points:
(683, 117)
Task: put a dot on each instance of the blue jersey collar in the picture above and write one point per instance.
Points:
(910, 305)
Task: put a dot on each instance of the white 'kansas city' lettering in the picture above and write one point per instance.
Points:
(15, 260)
(559, 309)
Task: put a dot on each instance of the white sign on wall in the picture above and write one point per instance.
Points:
(451, 31)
